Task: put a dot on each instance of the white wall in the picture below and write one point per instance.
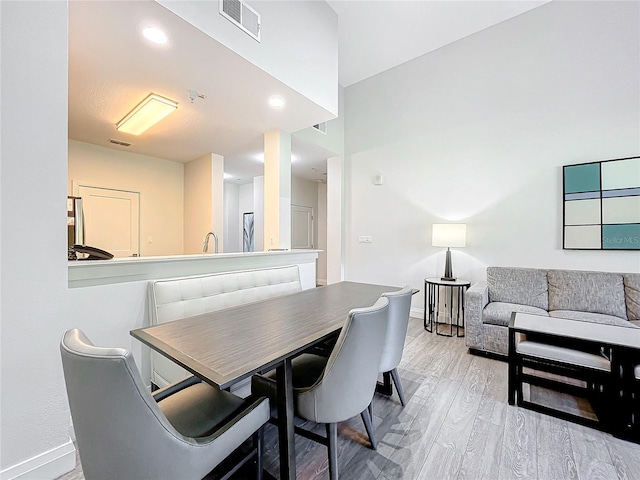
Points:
(331, 261)
(258, 213)
(305, 193)
(333, 139)
(232, 228)
(34, 299)
(299, 42)
(478, 131)
(321, 269)
(160, 183)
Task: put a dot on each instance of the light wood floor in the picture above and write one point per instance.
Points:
(457, 425)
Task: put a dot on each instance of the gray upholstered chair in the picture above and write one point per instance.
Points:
(399, 308)
(182, 431)
(337, 388)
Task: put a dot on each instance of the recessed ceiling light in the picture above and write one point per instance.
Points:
(155, 35)
(259, 157)
(276, 102)
(227, 176)
(294, 158)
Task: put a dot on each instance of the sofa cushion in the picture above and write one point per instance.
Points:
(561, 354)
(499, 313)
(591, 317)
(595, 292)
(632, 294)
(524, 286)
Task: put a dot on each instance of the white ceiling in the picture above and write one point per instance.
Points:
(112, 68)
(375, 36)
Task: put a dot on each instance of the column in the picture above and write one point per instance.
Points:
(277, 190)
(203, 202)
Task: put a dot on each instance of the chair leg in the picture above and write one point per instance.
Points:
(371, 410)
(259, 443)
(368, 425)
(396, 380)
(332, 444)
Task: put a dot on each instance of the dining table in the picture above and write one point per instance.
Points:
(226, 346)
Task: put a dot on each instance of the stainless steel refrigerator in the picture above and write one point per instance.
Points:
(75, 222)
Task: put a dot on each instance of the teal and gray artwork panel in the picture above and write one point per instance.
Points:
(602, 205)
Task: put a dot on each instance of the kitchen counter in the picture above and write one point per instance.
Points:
(86, 273)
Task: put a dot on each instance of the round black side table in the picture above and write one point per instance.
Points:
(454, 289)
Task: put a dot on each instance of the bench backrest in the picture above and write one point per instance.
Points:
(175, 298)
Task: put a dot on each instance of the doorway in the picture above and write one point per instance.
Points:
(112, 219)
(301, 227)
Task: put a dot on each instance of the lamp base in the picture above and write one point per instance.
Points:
(448, 271)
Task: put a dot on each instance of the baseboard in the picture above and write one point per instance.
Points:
(321, 281)
(47, 465)
(416, 313)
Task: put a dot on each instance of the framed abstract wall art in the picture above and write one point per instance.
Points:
(601, 205)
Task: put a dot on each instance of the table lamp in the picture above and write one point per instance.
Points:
(449, 235)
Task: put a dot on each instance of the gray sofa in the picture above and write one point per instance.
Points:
(602, 297)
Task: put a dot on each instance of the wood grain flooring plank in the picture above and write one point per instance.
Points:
(445, 417)
(455, 432)
(415, 327)
(625, 457)
(460, 362)
(591, 454)
(411, 382)
(427, 386)
(555, 455)
(493, 404)
(390, 432)
(481, 459)
(519, 454)
(407, 461)
(437, 360)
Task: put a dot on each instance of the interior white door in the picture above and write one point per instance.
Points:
(111, 219)
(301, 226)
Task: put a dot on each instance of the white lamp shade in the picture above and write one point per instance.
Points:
(449, 235)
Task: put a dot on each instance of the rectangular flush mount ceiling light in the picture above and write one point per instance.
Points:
(146, 114)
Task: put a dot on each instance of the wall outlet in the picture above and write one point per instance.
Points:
(365, 239)
(149, 239)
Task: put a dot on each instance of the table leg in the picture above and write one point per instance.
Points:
(513, 369)
(428, 310)
(286, 440)
(385, 387)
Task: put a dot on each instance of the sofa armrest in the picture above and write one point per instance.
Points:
(476, 298)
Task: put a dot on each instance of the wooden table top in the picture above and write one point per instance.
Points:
(225, 346)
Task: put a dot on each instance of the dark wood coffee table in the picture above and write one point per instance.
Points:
(602, 356)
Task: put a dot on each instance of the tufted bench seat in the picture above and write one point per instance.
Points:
(175, 298)
(557, 353)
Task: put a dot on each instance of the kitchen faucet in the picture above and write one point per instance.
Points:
(205, 245)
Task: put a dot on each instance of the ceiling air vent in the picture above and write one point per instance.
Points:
(242, 15)
(119, 142)
(321, 127)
